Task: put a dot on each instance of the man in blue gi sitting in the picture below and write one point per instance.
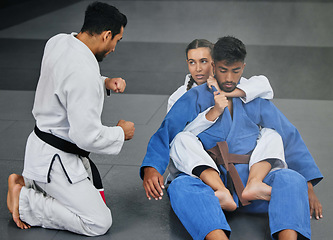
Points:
(292, 200)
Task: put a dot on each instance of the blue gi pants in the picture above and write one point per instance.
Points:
(199, 210)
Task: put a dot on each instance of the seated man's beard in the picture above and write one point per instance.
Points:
(227, 86)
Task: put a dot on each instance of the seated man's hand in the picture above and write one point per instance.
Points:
(153, 183)
(117, 85)
(315, 205)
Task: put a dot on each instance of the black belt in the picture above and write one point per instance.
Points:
(69, 147)
(60, 143)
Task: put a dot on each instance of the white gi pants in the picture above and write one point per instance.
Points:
(269, 146)
(61, 205)
(187, 152)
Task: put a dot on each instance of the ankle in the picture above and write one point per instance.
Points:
(254, 180)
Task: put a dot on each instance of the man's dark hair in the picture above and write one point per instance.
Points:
(100, 17)
(229, 49)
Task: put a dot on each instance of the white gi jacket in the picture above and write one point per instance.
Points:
(254, 87)
(68, 104)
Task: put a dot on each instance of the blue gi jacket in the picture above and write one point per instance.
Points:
(240, 132)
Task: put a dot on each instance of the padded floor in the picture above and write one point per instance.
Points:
(288, 41)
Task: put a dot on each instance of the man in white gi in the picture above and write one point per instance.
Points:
(56, 192)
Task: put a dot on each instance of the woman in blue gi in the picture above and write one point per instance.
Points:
(193, 201)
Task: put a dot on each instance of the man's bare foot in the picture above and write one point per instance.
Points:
(257, 190)
(14, 189)
(19, 179)
(226, 201)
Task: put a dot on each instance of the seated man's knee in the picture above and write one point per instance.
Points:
(186, 184)
(288, 177)
(175, 185)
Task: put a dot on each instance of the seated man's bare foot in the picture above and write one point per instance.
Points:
(257, 190)
(13, 195)
(226, 201)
